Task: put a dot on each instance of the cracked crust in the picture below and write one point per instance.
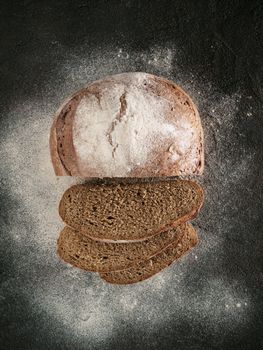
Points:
(118, 119)
(160, 162)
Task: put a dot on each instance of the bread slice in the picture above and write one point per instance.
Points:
(128, 125)
(130, 211)
(145, 269)
(91, 255)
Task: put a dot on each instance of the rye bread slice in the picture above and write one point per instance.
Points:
(90, 255)
(130, 211)
(145, 269)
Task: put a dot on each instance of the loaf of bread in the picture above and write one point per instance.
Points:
(91, 255)
(130, 211)
(128, 125)
(145, 269)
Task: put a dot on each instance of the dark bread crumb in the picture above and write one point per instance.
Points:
(145, 269)
(91, 255)
(130, 211)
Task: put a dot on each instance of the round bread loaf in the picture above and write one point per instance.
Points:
(128, 125)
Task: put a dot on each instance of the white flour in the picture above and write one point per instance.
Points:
(78, 301)
(119, 130)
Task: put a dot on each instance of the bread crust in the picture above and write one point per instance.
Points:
(56, 161)
(63, 154)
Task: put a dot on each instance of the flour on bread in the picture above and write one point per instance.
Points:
(123, 126)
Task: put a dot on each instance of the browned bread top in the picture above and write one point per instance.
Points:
(91, 255)
(130, 211)
(147, 268)
(128, 125)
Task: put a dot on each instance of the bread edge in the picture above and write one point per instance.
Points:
(55, 159)
(193, 241)
(59, 250)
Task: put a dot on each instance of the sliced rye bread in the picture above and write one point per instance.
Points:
(130, 212)
(145, 269)
(90, 255)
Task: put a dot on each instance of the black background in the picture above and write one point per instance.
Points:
(221, 41)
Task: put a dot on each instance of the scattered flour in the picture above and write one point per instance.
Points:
(80, 302)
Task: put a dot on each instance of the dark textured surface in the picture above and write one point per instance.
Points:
(213, 298)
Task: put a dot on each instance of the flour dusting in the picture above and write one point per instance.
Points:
(195, 291)
(124, 125)
(114, 144)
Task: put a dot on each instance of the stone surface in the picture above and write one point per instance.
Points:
(212, 298)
